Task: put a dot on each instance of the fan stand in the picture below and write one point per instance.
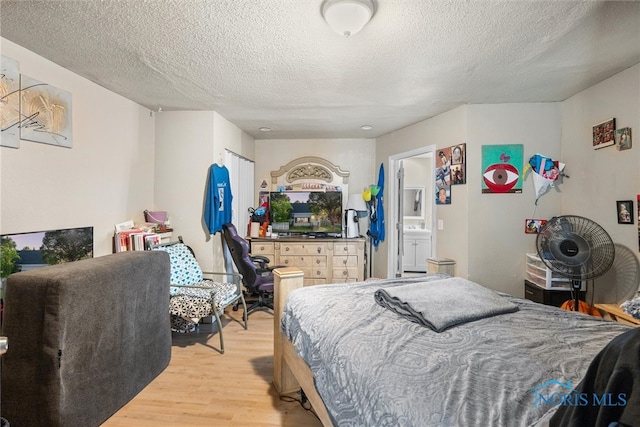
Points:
(576, 286)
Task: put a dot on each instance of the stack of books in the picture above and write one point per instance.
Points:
(131, 237)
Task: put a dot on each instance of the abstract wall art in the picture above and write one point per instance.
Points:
(9, 102)
(45, 113)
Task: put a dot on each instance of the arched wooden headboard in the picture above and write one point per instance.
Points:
(309, 169)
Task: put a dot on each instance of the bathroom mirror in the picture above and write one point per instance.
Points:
(413, 203)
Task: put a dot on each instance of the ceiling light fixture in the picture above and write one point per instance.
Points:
(366, 127)
(347, 17)
(265, 129)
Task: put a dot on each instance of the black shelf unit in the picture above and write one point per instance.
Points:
(541, 295)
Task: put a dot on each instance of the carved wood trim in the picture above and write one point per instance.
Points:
(310, 167)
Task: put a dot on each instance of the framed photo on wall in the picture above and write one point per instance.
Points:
(458, 162)
(604, 134)
(623, 138)
(533, 226)
(625, 211)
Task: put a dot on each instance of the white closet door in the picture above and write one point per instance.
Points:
(241, 175)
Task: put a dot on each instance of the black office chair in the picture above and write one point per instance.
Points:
(257, 276)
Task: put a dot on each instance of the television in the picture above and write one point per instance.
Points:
(304, 212)
(26, 251)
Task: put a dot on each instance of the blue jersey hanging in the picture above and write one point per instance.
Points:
(217, 207)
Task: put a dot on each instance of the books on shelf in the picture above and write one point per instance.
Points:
(138, 238)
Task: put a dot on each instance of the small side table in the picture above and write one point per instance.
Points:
(441, 265)
(615, 312)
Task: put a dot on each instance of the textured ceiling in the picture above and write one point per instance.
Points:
(276, 63)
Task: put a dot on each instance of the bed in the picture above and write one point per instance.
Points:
(363, 364)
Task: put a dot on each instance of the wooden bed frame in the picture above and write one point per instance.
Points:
(290, 372)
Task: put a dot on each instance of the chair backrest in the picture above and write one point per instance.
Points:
(239, 249)
(185, 270)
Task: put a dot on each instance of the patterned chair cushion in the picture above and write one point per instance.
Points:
(185, 270)
(191, 303)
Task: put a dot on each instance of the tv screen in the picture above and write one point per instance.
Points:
(26, 251)
(306, 211)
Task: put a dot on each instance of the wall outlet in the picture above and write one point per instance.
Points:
(440, 224)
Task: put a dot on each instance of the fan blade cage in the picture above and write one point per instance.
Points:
(575, 247)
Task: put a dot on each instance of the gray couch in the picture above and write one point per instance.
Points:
(84, 338)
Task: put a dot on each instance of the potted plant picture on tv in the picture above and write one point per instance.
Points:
(280, 209)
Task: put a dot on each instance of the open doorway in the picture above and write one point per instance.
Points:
(411, 238)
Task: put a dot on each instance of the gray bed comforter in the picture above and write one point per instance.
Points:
(375, 368)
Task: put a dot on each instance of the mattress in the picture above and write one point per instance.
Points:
(373, 367)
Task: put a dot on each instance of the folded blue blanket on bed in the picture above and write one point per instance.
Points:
(441, 304)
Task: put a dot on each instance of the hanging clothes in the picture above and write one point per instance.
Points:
(217, 208)
(377, 225)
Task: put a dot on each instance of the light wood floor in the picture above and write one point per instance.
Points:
(202, 387)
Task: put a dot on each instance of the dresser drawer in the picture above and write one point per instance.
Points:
(345, 248)
(533, 293)
(303, 261)
(556, 298)
(340, 274)
(303, 249)
(314, 272)
(262, 248)
(345, 261)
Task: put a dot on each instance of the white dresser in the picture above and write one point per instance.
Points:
(323, 260)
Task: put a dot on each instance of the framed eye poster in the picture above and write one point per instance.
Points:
(502, 168)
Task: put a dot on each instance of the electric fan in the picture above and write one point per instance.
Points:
(577, 248)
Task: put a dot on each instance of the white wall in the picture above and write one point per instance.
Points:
(601, 177)
(106, 178)
(184, 152)
(444, 130)
(484, 233)
(187, 144)
(497, 243)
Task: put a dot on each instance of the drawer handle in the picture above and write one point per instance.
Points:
(319, 249)
(262, 248)
(344, 262)
(345, 248)
(345, 272)
(286, 249)
(318, 273)
(317, 261)
(527, 291)
(286, 261)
